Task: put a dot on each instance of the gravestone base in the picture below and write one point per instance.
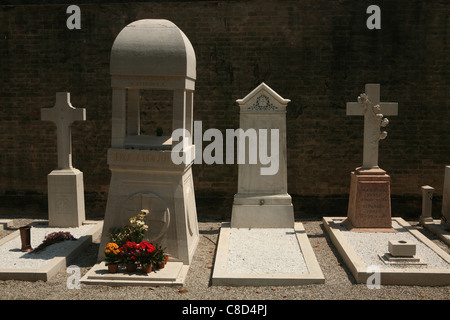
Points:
(388, 258)
(173, 274)
(66, 198)
(369, 206)
(262, 211)
(148, 179)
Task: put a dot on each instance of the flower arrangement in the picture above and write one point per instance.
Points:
(54, 237)
(145, 254)
(133, 232)
(127, 246)
(112, 254)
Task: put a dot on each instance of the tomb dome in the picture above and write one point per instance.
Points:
(153, 47)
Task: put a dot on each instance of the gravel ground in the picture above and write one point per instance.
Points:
(339, 283)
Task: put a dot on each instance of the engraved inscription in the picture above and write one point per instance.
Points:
(374, 199)
(62, 204)
(143, 81)
(141, 157)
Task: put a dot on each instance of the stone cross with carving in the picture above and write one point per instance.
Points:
(63, 114)
(373, 110)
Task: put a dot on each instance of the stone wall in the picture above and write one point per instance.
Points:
(318, 54)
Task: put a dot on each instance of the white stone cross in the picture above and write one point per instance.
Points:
(63, 114)
(373, 110)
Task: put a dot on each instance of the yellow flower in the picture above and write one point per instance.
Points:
(112, 248)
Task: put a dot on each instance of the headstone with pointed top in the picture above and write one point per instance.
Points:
(262, 200)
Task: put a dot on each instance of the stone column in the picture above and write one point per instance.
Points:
(446, 199)
(118, 117)
(133, 113)
(427, 204)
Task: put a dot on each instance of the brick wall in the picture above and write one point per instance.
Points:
(318, 54)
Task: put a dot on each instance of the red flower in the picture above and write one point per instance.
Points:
(147, 247)
(128, 251)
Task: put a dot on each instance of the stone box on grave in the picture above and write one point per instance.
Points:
(152, 54)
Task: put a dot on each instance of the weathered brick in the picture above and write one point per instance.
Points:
(319, 54)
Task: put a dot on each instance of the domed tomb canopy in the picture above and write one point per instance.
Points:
(152, 53)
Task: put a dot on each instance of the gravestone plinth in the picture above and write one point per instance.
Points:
(370, 201)
(65, 184)
(66, 198)
(148, 179)
(369, 207)
(152, 54)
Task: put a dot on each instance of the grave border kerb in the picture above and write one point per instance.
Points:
(220, 276)
(361, 272)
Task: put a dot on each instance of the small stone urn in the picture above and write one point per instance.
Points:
(25, 236)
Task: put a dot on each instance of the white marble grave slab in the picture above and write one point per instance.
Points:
(43, 265)
(265, 257)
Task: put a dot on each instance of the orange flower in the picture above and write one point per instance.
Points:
(112, 248)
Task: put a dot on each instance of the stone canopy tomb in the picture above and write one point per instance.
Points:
(152, 55)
